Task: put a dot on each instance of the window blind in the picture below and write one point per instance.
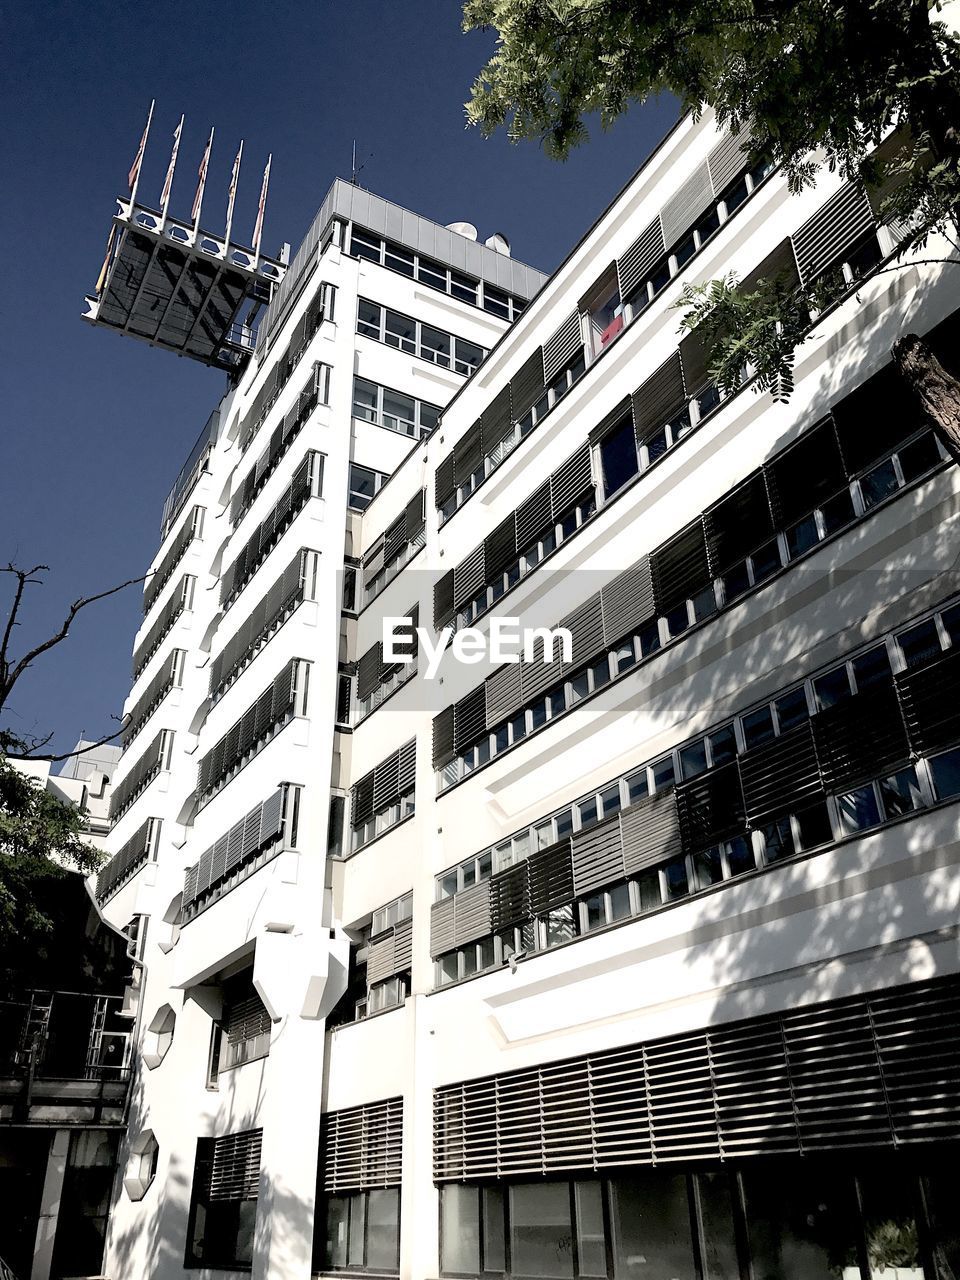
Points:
(131, 855)
(526, 386)
(361, 1148)
(260, 829)
(833, 229)
(860, 738)
(739, 523)
(648, 248)
(180, 600)
(228, 1168)
(659, 399)
(931, 703)
(560, 349)
(191, 528)
(780, 774)
(384, 784)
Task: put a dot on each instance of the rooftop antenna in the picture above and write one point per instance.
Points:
(355, 169)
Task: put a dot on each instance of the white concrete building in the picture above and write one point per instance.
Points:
(639, 964)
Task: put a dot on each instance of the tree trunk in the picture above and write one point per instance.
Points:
(937, 390)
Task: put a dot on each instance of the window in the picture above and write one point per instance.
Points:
(364, 485)
(618, 457)
(416, 338)
(605, 315)
(393, 409)
(223, 1204)
(393, 913)
(362, 1231)
(244, 1026)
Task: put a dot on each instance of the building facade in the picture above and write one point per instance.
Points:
(634, 958)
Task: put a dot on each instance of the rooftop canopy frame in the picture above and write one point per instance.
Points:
(181, 288)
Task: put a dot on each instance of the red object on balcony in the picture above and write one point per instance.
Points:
(611, 331)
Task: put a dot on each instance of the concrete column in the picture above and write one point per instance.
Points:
(419, 1201)
(50, 1204)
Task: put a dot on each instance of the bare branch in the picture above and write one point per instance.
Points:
(23, 576)
(29, 754)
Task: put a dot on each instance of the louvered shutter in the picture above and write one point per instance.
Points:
(472, 914)
(635, 265)
(729, 158)
(585, 625)
(403, 945)
(611, 419)
(385, 778)
(782, 774)
(597, 857)
(824, 238)
(271, 817)
(381, 958)
(710, 807)
(627, 602)
(229, 1167)
(888, 176)
(468, 454)
(245, 1016)
(570, 483)
(560, 349)
(444, 483)
(406, 766)
(693, 360)
(442, 921)
(497, 420)
(414, 516)
(443, 751)
(738, 523)
(361, 1148)
(500, 547)
(526, 386)
(369, 671)
(779, 267)
(395, 539)
(469, 577)
(550, 873)
(509, 897)
(931, 703)
(533, 516)
(860, 738)
(650, 831)
(503, 693)
(683, 208)
(470, 719)
(680, 568)
(443, 607)
(875, 418)
(659, 399)
(538, 675)
(806, 474)
(361, 802)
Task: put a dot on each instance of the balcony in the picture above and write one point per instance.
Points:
(64, 1059)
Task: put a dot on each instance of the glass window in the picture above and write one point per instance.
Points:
(368, 319)
(363, 246)
(459, 1228)
(871, 668)
(400, 331)
(648, 886)
(675, 879)
(716, 1214)
(620, 905)
(463, 287)
(858, 810)
(723, 745)
(610, 800)
(900, 793)
(432, 273)
(494, 1243)
(587, 810)
(778, 840)
(945, 771)
(364, 400)
(801, 1222)
(708, 867)
(693, 758)
(435, 345)
(398, 259)
(951, 622)
(740, 856)
(618, 457)
(650, 1224)
(541, 1235)
(889, 1194)
(591, 1237)
(564, 823)
(919, 457)
(637, 786)
(832, 688)
(663, 773)
(383, 1230)
(399, 412)
(496, 302)
(449, 971)
(355, 1236)
(559, 926)
(814, 826)
(757, 727)
(792, 709)
(469, 356)
(338, 1213)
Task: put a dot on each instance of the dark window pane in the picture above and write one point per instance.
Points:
(890, 1202)
(693, 759)
(920, 644)
(618, 457)
(951, 622)
(801, 1222)
(919, 457)
(723, 745)
(716, 1212)
(757, 727)
(675, 875)
(650, 1224)
(493, 1235)
(591, 1238)
(336, 1245)
(649, 885)
(814, 824)
(900, 793)
(946, 774)
(740, 856)
(858, 810)
(879, 483)
(792, 709)
(872, 667)
(832, 688)
(663, 773)
(778, 840)
(540, 1230)
(708, 868)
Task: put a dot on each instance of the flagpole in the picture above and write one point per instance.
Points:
(232, 197)
(171, 168)
(138, 162)
(201, 184)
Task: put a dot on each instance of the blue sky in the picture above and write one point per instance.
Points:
(95, 426)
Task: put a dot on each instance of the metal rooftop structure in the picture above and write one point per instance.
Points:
(182, 289)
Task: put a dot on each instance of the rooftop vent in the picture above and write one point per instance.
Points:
(466, 229)
(498, 243)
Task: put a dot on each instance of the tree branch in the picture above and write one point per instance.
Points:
(68, 755)
(23, 576)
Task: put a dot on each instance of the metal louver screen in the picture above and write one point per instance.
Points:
(806, 474)
(470, 718)
(368, 671)
(442, 926)
(888, 405)
(361, 800)
(509, 897)
(443, 737)
(683, 208)
(659, 399)
(467, 454)
(497, 420)
(361, 1148)
(729, 157)
(471, 912)
(443, 609)
(444, 483)
(931, 703)
(738, 523)
(233, 1164)
(406, 766)
(710, 807)
(597, 856)
(245, 1017)
(585, 625)
(414, 516)
(694, 353)
(500, 547)
(780, 775)
(570, 482)
(650, 831)
(877, 1070)
(559, 350)
(533, 516)
(468, 577)
(634, 267)
(526, 386)
(503, 693)
(386, 777)
(860, 738)
(627, 602)
(550, 874)
(824, 238)
(680, 568)
(382, 958)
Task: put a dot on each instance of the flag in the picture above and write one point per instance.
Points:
(134, 173)
(201, 183)
(231, 198)
(168, 180)
(102, 277)
(258, 227)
